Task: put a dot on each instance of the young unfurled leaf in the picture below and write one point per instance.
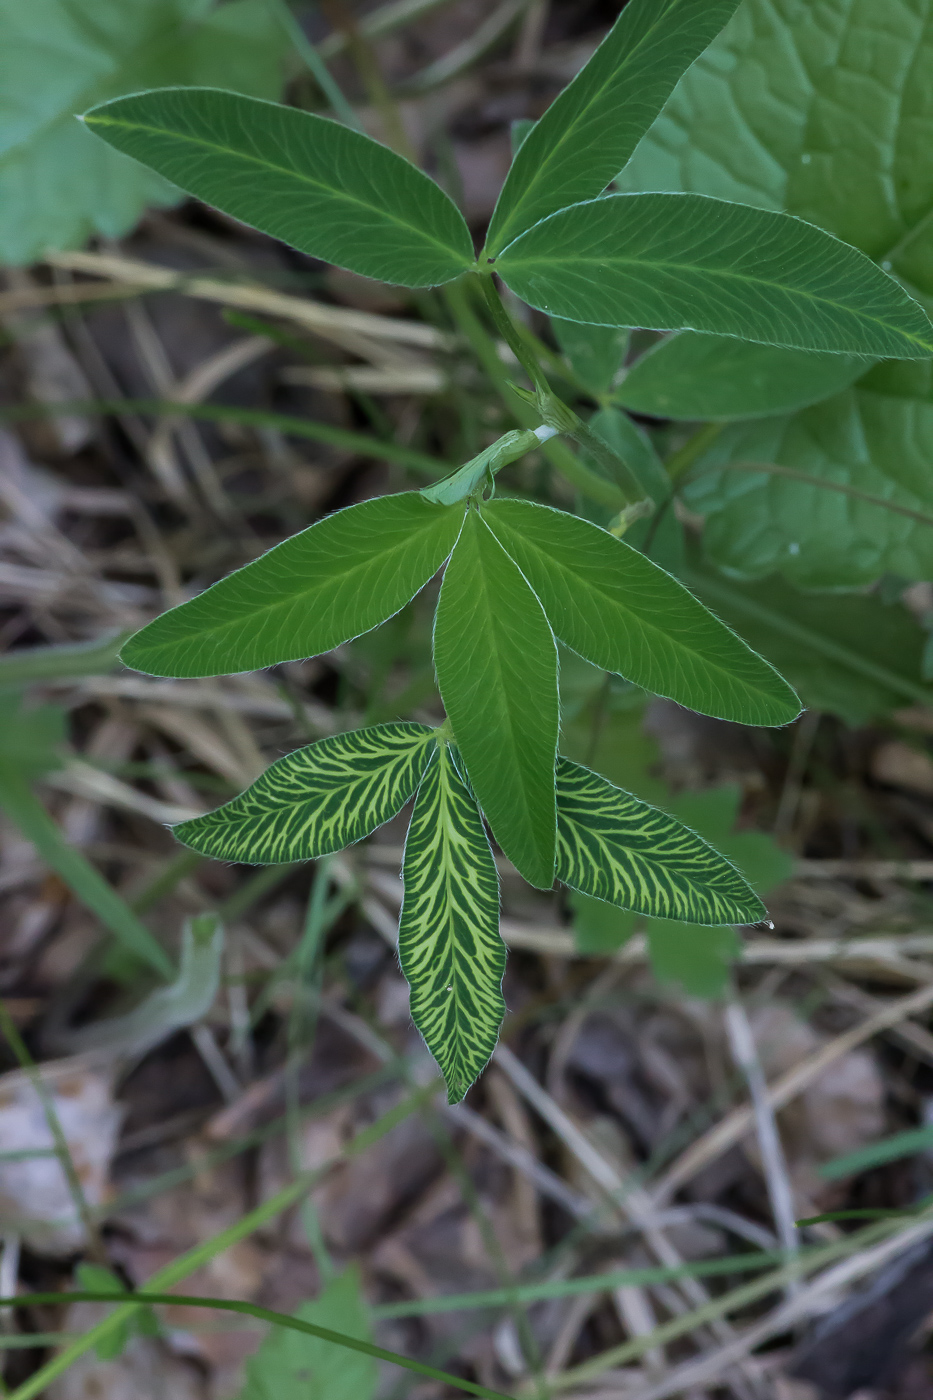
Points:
(318, 799)
(329, 191)
(293, 1366)
(57, 184)
(689, 376)
(337, 579)
(616, 848)
(496, 665)
(449, 944)
(676, 262)
(620, 611)
(591, 129)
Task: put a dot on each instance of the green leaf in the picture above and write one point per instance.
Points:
(591, 129)
(618, 849)
(851, 655)
(838, 134)
(330, 583)
(331, 192)
(449, 944)
(632, 445)
(594, 353)
(318, 799)
(800, 107)
(687, 262)
(600, 929)
(294, 1366)
(496, 665)
(858, 501)
(621, 612)
(689, 376)
(57, 184)
(697, 959)
(714, 813)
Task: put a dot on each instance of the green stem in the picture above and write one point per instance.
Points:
(509, 332)
(587, 482)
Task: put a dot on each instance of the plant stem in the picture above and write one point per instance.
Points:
(588, 482)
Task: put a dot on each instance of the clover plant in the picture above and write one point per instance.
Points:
(518, 577)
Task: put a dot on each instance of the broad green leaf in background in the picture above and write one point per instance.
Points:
(327, 190)
(631, 445)
(624, 614)
(293, 1366)
(823, 111)
(590, 130)
(863, 508)
(618, 849)
(318, 799)
(681, 261)
(594, 353)
(449, 944)
(58, 184)
(689, 376)
(497, 671)
(325, 585)
(850, 655)
(696, 959)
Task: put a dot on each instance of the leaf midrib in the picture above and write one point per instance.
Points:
(725, 274)
(296, 597)
(267, 165)
(651, 627)
(492, 629)
(541, 170)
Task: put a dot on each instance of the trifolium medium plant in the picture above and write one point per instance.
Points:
(518, 576)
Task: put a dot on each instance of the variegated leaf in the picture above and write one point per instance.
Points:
(449, 943)
(318, 799)
(621, 850)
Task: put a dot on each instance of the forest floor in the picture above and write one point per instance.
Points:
(623, 1124)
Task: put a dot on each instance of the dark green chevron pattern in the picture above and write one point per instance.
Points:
(449, 943)
(612, 846)
(318, 799)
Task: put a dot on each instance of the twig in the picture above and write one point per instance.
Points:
(737, 1123)
(745, 1054)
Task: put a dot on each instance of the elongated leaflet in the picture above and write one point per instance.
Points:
(590, 130)
(318, 799)
(333, 581)
(496, 665)
(617, 609)
(616, 848)
(449, 944)
(327, 190)
(687, 262)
